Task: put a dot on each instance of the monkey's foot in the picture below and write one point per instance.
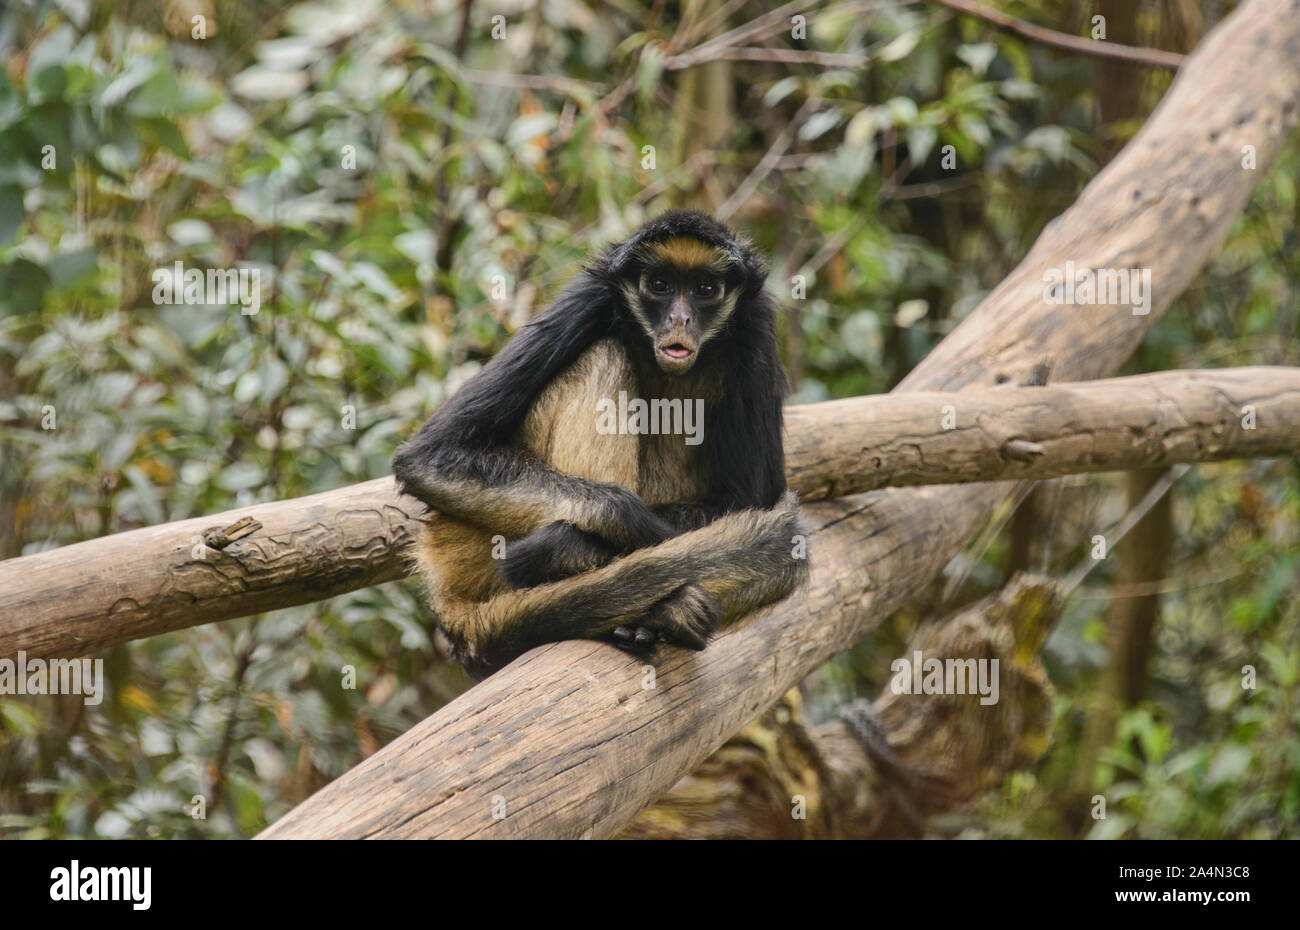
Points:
(684, 618)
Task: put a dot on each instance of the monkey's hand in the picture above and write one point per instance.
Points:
(685, 618)
(556, 551)
(631, 524)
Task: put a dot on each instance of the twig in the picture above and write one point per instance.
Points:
(619, 94)
(784, 55)
(719, 15)
(1134, 54)
(966, 564)
(1151, 588)
(228, 733)
(765, 164)
(699, 159)
(555, 82)
(767, 25)
(1158, 490)
(756, 29)
(930, 188)
(832, 245)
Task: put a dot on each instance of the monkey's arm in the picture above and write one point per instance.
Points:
(465, 461)
(562, 550)
(509, 491)
(745, 451)
(558, 550)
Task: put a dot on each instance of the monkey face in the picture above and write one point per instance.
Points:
(682, 295)
(682, 310)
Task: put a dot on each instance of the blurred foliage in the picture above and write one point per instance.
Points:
(386, 167)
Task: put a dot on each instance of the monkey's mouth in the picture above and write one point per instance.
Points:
(676, 357)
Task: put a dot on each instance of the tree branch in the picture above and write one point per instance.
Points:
(86, 596)
(858, 444)
(949, 747)
(1137, 55)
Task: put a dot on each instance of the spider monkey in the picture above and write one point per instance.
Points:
(635, 537)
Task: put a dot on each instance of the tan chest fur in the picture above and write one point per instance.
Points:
(668, 468)
(562, 429)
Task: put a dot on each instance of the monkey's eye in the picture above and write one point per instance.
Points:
(659, 286)
(705, 289)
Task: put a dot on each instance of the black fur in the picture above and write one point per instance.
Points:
(744, 445)
(471, 436)
(472, 441)
(556, 551)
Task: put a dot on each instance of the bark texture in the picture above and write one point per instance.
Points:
(783, 778)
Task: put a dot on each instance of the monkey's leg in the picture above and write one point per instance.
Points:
(742, 561)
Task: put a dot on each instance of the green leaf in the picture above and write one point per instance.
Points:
(1229, 765)
(168, 136)
(46, 62)
(136, 73)
(648, 72)
(780, 90)
(11, 107)
(901, 46)
(979, 56)
(920, 141)
(526, 128)
(157, 97)
(70, 267)
(11, 213)
(819, 124)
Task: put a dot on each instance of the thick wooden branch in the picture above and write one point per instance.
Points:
(917, 438)
(80, 598)
(782, 778)
(575, 739)
(84, 597)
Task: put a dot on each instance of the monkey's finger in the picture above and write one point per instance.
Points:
(637, 650)
(687, 638)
